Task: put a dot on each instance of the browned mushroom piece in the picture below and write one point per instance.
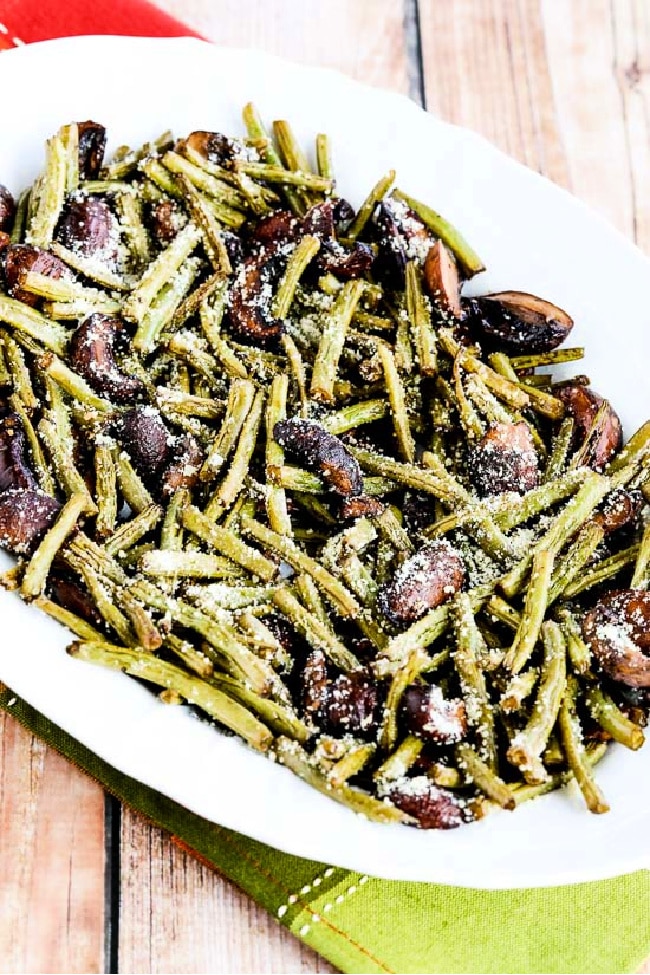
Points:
(314, 683)
(351, 705)
(88, 227)
(426, 580)
(279, 228)
(5, 240)
(430, 806)
(18, 259)
(183, 469)
(504, 459)
(25, 516)
(7, 209)
(583, 404)
(517, 322)
(251, 295)
(215, 147)
(165, 219)
(72, 597)
(401, 237)
(93, 349)
(345, 263)
(360, 506)
(319, 221)
(619, 509)
(442, 279)
(92, 145)
(146, 440)
(430, 715)
(321, 452)
(617, 630)
(14, 469)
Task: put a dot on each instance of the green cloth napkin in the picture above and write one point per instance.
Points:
(366, 925)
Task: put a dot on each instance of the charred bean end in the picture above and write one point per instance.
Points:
(426, 580)
(430, 715)
(504, 459)
(92, 351)
(321, 452)
(617, 629)
(25, 516)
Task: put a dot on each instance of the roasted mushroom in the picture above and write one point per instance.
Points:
(620, 509)
(88, 227)
(165, 219)
(442, 279)
(583, 405)
(279, 228)
(92, 144)
(25, 516)
(249, 312)
(351, 705)
(93, 352)
(518, 323)
(77, 600)
(215, 147)
(504, 459)
(343, 262)
(14, 469)
(18, 259)
(360, 506)
(426, 580)
(429, 714)
(183, 469)
(7, 209)
(617, 630)
(146, 440)
(430, 806)
(401, 237)
(314, 683)
(322, 453)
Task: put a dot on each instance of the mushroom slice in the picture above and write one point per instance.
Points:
(25, 516)
(146, 440)
(350, 705)
(321, 452)
(314, 683)
(21, 258)
(430, 715)
(360, 506)
(14, 469)
(401, 237)
(617, 630)
(249, 312)
(619, 509)
(165, 219)
(518, 322)
(7, 209)
(92, 144)
(432, 807)
(504, 459)
(442, 279)
(88, 227)
(426, 580)
(184, 467)
(279, 228)
(92, 351)
(215, 147)
(583, 404)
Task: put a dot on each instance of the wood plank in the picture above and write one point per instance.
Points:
(179, 916)
(175, 914)
(51, 859)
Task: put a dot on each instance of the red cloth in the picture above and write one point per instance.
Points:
(24, 21)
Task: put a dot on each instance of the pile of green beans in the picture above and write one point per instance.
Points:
(230, 586)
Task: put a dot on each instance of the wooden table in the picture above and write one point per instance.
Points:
(562, 85)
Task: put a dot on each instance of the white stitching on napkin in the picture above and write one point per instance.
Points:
(14, 40)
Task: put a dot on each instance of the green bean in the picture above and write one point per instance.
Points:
(158, 274)
(356, 415)
(466, 661)
(534, 611)
(424, 339)
(202, 180)
(19, 373)
(276, 500)
(100, 591)
(228, 544)
(105, 486)
(537, 359)
(203, 695)
(40, 563)
(579, 652)
(280, 718)
(271, 170)
(263, 641)
(404, 675)
(240, 400)
(572, 743)
(510, 392)
(468, 259)
(635, 449)
(484, 777)
(45, 479)
(161, 178)
(297, 368)
(132, 531)
(71, 382)
(64, 292)
(518, 689)
(90, 267)
(407, 474)
(612, 720)
(400, 761)
(65, 617)
(228, 490)
(498, 609)
(324, 155)
(316, 633)
(287, 178)
(51, 193)
(403, 347)
(574, 560)
(129, 208)
(290, 150)
(397, 400)
(390, 527)
(527, 745)
(130, 484)
(30, 322)
(165, 306)
(332, 341)
(289, 753)
(641, 576)
(20, 218)
(66, 473)
(602, 571)
(353, 762)
(205, 218)
(301, 256)
(192, 658)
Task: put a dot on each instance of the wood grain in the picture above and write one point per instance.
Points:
(51, 859)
